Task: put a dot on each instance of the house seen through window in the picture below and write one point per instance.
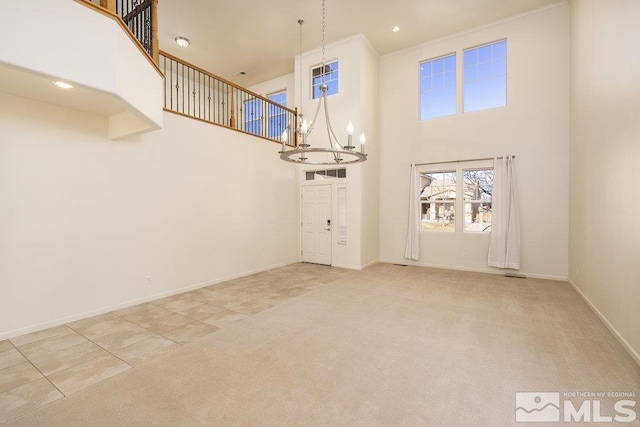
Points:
(437, 200)
(478, 187)
(443, 195)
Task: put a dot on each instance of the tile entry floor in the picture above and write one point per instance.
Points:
(41, 367)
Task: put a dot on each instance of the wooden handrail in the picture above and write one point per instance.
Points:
(253, 94)
(193, 92)
(136, 10)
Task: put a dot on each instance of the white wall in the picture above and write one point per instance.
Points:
(59, 38)
(533, 126)
(605, 154)
(370, 220)
(278, 84)
(84, 220)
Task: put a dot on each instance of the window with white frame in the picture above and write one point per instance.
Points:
(277, 115)
(484, 82)
(478, 187)
(438, 87)
(442, 195)
(330, 73)
(438, 200)
(485, 76)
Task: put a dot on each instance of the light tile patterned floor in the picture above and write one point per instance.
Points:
(38, 368)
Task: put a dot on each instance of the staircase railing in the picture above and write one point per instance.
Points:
(140, 17)
(194, 92)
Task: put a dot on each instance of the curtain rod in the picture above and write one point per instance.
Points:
(460, 161)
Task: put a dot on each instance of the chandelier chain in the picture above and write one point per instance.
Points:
(324, 27)
(300, 21)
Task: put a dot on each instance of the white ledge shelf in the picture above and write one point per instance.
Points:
(90, 50)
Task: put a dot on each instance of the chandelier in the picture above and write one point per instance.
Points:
(335, 153)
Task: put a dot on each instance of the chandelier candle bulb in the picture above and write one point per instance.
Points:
(349, 136)
(363, 139)
(285, 137)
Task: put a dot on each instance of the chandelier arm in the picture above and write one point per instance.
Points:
(330, 128)
(336, 156)
(315, 116)
(335, 145)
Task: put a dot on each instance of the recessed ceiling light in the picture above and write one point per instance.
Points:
(395, 29)
(183, 41)
(63, 85)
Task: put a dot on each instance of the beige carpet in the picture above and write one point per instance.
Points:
(389, 345)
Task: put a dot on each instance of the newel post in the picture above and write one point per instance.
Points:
(154, 32)
(232, 120)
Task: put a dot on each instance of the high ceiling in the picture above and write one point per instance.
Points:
(261, 37)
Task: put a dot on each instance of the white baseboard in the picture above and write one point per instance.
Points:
(102, 310)
(476, 270)
(370, 264)
(632, 352)
(348, 267)
(355, 267)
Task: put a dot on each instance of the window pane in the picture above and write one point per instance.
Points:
(484, 54)
(253, 116)
(330, 78)
(437, 87)
(450, 63)
(437, 66)
(470, 73)
(437, 200)
(484, 71)
(277, 115)
(500, 50)
(426, 83)
(499, 67)
(438, 81)
(471, 57)
(485, 86)
(478, 186)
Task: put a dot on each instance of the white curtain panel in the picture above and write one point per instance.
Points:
(504, 245)
(412, 251)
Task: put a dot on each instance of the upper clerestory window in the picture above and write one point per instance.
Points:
(485, 77)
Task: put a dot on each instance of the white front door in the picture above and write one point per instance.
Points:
(316, 224)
